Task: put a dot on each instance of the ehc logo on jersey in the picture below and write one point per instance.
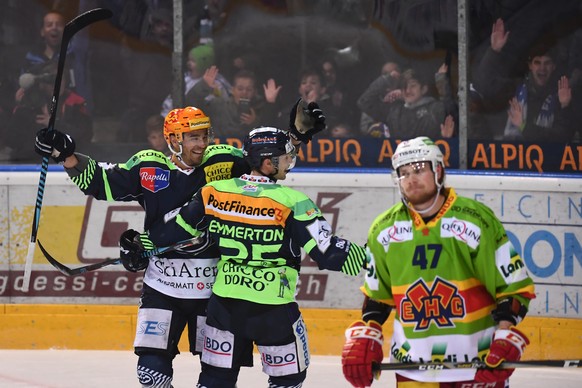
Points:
(154, 179)
(439, 304)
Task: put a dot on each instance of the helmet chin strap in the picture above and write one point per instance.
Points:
(271, 176)
(421, 212)
(434, 202)
(178, 155)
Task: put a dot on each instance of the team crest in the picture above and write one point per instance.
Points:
(439, 304)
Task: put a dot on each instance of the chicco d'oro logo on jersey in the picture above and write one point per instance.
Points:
(154, 179)
(439, 304)
(218, 171)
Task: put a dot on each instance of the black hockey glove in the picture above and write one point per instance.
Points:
(305, 121)
(132, 245)
(55, 144)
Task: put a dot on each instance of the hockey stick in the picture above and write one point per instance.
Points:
(92, 267)
(477, 365)
(71, 28)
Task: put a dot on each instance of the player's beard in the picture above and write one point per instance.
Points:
(421, 199)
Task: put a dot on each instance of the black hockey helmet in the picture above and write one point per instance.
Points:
(265, 143)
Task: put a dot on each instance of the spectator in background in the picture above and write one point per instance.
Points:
(51, 32)
(243, 59)
(48, 48)
(208, 18)
(483, 119)
(243, 110)
(540, 106)
(391, 68)
(391, 71)
(200, 59)
(415, 113)
(573, 64)
(155, 134)
(336, 91)
(32, 112)
(341, 131)
(147, 65)
(539, 112)
(312, 89)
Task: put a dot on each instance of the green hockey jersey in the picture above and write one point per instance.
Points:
(259, 227)
(443, 278)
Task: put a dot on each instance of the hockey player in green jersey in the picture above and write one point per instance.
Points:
(259, 227)
(445, 264)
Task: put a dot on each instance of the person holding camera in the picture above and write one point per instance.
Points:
(244, 110)
(32, 111)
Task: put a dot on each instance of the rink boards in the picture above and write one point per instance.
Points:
(543, 217)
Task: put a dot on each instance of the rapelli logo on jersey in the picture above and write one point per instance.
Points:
(439, 304)
(154, 179)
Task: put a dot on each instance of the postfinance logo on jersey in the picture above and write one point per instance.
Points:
(234, 207)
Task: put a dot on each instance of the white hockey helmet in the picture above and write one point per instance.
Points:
(419, 149)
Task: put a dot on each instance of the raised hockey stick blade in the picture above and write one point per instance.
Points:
(92, 267)
(71, 28)
(479, 365)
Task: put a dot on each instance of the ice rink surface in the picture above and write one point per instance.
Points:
(116, 369)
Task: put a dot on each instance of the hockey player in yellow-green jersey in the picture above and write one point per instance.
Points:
(444, 263)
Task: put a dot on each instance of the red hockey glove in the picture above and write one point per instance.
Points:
(508, 344)
(362, 348)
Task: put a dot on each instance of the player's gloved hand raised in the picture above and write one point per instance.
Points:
(55, 144)
(305, 121)
(363, 347)
(508, 344)
(132, 246)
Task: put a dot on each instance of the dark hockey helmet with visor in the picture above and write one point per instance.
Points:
(267, 143)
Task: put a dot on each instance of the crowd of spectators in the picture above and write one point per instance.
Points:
(239, 91)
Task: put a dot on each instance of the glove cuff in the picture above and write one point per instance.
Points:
(513, 336)
(370, 330)
(145, 242)
(298, 136)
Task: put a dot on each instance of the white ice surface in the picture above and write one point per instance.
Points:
(113, 369)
